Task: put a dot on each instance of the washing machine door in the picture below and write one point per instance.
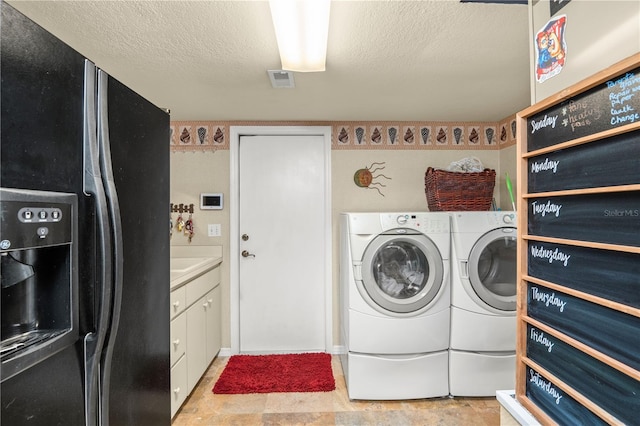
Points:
(492, 268)
(402, 273)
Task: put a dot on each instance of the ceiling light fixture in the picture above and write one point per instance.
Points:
(302, 27)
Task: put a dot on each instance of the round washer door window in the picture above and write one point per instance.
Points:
(492, 268)
(402, 274)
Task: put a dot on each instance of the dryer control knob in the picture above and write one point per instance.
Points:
(508, 218)
(402, 219)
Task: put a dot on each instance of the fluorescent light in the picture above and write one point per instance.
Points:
(301, 28)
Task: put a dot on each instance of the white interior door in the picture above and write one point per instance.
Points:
(282, 234)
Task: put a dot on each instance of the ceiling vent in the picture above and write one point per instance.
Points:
(281, 79)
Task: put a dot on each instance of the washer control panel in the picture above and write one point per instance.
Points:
(423, 222)
(504, 218)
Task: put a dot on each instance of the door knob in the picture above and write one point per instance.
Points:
(245, 237)
(247, 254)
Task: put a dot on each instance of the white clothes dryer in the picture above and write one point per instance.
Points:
(483, 303)
(395, 304)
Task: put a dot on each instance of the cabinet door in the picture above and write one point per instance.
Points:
(178, 337)
(179, 389)
(196, 341)
(213, 323)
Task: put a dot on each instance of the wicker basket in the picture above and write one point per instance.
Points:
(454, 191)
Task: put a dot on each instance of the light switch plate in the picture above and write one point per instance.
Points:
(214, 230)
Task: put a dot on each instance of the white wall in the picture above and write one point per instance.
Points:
(599, 33)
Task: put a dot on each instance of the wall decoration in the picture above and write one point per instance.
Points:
(474, 136)
(490, 133)
(364, 178)
(551, 49)
(376, 135)
(185, 135)
(218, 136)
(392, 131)
(195, 136)
(360, 132)
(458, 133)
(408, 137)
(441, 136)
(424, 133)
(343, 136)
(504, 135)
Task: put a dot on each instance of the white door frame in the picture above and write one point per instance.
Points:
(234, 218)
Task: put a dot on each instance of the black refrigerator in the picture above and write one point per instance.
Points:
(84, 243)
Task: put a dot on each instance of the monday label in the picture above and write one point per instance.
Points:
(608, 162)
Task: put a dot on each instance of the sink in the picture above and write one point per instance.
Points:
(182, 265)
(183, 269)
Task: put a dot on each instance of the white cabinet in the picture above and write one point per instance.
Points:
(195, 333)
(213, 320)
(179, 389)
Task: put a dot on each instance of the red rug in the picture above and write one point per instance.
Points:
(309, 372)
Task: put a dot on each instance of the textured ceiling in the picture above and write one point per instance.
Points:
(386, 60)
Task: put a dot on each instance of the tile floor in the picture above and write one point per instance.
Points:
(204, 407)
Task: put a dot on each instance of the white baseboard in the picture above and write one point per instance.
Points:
(226, 352)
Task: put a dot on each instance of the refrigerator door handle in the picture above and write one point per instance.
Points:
(117, 258)
(94, 342)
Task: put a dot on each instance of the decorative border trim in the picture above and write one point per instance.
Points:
(350, 135)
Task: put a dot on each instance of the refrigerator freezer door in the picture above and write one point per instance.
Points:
(140, 377)
(41, 110)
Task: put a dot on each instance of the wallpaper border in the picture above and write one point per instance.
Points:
(351, 135)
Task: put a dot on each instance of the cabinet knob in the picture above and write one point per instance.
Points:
(176, 342)
(176, 390)
(210, 301)
(176, 304)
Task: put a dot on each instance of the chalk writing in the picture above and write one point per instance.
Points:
(539, 337)
(550, 255)
(536, 379)
(628, 80)
(544, 209)
(580, 114)
(548, 299)
(544, 122)
(547, 164)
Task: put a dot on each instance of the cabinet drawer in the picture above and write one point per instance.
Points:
(178, 337)
(179, 391)
(202, 285)
(178, 301)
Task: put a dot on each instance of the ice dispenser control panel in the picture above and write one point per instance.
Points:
(30, 220)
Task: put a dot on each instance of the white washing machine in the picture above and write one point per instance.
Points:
(395, 304)
(483, 303)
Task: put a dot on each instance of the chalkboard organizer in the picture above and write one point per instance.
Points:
(578, 186)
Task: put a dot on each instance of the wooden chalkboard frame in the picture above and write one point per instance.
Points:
(581, 89)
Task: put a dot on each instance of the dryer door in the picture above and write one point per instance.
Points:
(492, 268)
(402, 273)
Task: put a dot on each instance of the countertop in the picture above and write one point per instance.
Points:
(186, 266)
